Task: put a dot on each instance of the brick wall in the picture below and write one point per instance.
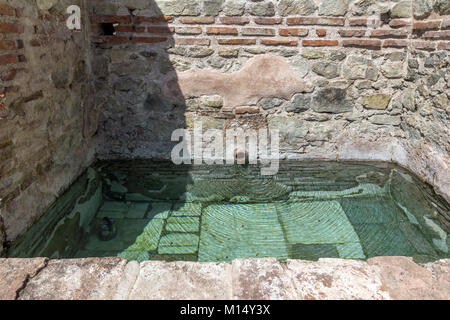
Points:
(43, 82)
(240, 23)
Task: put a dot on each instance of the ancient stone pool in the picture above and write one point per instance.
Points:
(154, 210)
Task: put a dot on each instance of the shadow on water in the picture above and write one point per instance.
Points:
(137, 122)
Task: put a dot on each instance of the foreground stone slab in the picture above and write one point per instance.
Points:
(336, 279)
(14, 274)
(76, 279)
(406, 280)
(159, 280)
(261, 279)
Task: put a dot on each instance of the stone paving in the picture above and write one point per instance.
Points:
(114, 278)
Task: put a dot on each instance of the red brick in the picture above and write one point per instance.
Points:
(237, 41)
(3, 111)
(113, 19)
(124, 29)
(139, 29)
(160, 29)
(222, 30)
(320, 43)
(19, 13)
(258, 31)
(437, 35)
(293, 32)
(424, 45)
(157, 19)
(268, 21)
(397, 23)
(11, 28)
(7, 45)
(6, 10)
(193, 41)
(8, 75)
(321, 32)
(8, 58)
(361, 22)
(35, 43)
(197, 20)
(381, 33)
(149, 39)
(442, 45)
(234, 20)
(362, 43)
(427, 25)
(274, 42)
(315, 21)
(348, 33)
(395, 43)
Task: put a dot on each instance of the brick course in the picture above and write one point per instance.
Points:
(349, 29)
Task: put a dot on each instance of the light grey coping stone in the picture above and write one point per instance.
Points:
(115, 278)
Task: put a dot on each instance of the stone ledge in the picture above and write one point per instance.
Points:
(381, 278)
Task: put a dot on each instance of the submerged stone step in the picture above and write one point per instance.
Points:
(149, 238)
(319, 229)
(380, 239)
(351, 250)
(132, 234)
(231, 231)
(183, 224)
(113, 209)
(178, 243)
(371, 210)
(187, 209)
(159, 210)
(316, 222)
(137, 210)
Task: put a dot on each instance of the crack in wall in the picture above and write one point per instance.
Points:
(3, 243)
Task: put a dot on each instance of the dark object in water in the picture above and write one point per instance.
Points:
(107, 229)
(241, 156)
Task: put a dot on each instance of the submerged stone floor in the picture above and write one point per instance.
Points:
(379, 278)
(347, 227)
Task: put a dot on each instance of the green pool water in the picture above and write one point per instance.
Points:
(160, 211)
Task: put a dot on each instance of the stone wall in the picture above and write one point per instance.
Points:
(43, 71)
(341, 79)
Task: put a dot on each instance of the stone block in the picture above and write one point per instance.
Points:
(296, 7)
(80, 279)
(15, 273)
(261, 279)
(182, 281)
(179, 8)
